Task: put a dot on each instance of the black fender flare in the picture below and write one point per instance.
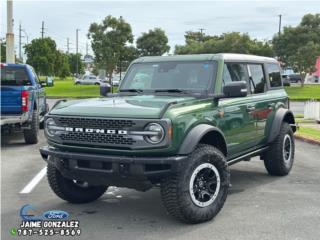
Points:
(194, 136)
(281, 115)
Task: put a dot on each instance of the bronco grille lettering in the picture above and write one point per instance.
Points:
(96, 130)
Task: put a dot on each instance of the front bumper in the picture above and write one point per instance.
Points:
(14, 119)
(111, 170)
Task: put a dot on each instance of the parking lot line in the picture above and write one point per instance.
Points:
(28, 188)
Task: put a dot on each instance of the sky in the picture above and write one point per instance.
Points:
(61, 18)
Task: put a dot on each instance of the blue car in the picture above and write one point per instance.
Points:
(23, 100)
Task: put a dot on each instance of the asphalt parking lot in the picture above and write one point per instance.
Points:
(258, 206)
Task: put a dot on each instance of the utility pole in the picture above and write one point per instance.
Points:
(26, 35)
(77, 43)
(10, 36)
(42, 29)
(280, 16)
(201, 33)
(86, 48)
(20, 57)
(68, 44)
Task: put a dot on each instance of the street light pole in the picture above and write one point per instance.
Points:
(10, 36)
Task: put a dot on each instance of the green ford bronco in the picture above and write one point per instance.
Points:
(177, 122)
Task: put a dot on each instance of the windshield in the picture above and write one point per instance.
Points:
(14, 76)
(170, 76)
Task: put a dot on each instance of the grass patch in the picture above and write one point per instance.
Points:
(302, 120)
(299, 115)
(65, 88)
(304, 93)
(309, 132)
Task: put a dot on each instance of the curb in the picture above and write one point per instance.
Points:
(307, 140)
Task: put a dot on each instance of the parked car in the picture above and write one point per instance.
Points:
(295, 78)
(290, 76)
(178, 122)
(23, 100)
(50, 81)
(88, 80)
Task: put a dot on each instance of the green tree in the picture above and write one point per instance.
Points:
(233, 42)
(3, 52)
(191, 36)
(72, 59)
(305, 58)
(153, 43)
(61, 67)
(129, 54)
(41, 54)
(299, 46)
(108, 42)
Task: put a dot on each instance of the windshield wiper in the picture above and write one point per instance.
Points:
(131, 90)
(172, 90)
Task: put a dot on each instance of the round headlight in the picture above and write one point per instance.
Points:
(156, 133)
(51, 127)
(48, 126)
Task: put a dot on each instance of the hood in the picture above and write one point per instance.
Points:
(140, 106)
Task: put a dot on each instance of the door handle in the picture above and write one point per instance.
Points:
(251, 108)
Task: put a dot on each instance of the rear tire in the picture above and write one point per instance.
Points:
(279, 158)
(198, 192)
(31, 135)
(70, 190)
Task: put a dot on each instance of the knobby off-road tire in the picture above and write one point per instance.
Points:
(183, 195)
(31, 135)
(279, 157)
(71, 191)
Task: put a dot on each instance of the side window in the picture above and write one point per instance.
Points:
(257, 79)
(34, 75)
(233, 72)
(274, 74)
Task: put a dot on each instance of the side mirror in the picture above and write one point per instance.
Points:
(104, 89)
(235, 89)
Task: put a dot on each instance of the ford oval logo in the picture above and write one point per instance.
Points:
(55, 215)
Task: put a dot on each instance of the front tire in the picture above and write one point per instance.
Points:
(279, 158)
(197, 193)
(31, 135)
(71, 190)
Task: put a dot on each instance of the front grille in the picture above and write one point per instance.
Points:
(93, 138)
(109, 133)
(96, 123)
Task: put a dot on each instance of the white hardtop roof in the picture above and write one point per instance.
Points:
(246, 57)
